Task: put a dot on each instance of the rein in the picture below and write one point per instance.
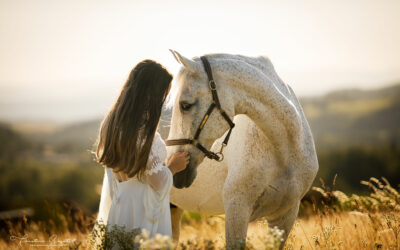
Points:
(215, 104)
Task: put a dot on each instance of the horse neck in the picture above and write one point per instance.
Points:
(269, 103)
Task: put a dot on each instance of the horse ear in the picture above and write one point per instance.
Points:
(189, 64)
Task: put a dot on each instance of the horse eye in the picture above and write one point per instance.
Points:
(185, 106)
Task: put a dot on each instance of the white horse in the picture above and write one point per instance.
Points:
(270, 162)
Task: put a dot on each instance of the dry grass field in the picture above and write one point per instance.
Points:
(342, 230)
(339, 222)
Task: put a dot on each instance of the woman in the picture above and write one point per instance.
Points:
(136, 183)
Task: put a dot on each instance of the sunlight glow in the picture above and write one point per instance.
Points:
(84, 50)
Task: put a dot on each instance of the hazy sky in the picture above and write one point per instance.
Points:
(66, 60)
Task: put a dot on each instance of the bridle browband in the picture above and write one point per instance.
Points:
(215, 104)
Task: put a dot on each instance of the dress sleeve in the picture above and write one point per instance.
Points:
(158, 176)
(107, 192)
(159, 180)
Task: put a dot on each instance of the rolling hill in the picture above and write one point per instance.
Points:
(355, 117)
(343, 118)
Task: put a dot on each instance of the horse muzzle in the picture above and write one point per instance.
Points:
(185, 178)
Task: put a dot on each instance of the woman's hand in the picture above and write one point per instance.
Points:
(178, 162)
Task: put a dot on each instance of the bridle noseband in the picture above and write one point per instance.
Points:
(215, 104)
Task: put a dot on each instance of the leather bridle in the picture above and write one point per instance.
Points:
(215, 104)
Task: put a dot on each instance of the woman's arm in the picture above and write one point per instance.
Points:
(157, 173)
(107, 192)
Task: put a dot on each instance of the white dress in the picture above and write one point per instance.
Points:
(140, 204)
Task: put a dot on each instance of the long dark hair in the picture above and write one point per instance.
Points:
(127, 132)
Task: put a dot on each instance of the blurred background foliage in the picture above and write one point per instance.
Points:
(357, 136)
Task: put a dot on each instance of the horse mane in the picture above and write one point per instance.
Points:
(261, 62)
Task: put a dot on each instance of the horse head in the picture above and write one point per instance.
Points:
(191, 98)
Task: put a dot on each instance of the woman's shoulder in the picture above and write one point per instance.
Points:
(158, 145)
(157, 137)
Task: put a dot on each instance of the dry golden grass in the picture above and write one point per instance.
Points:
(342, 230)
(348, 222)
